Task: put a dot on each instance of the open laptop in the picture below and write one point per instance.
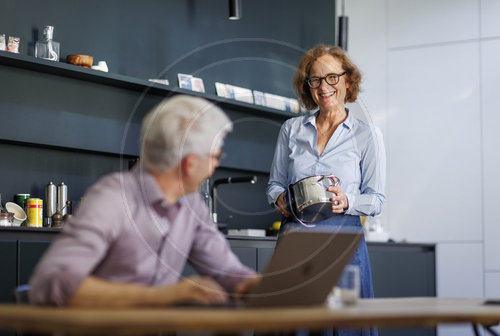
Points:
(304, 268)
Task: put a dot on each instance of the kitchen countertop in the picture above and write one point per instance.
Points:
(27, 233)
(28, 229)
(45, 233)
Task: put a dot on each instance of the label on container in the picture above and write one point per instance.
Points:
(34, 207)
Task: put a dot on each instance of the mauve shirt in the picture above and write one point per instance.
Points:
(124, 231)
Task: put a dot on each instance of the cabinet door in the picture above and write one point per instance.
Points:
(403, 272)
(263, 256)
(400, 272)
(30, 253)
(247, 256)
(8, 261)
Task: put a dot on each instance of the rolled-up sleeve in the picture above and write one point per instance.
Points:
(211, 253)
(278, 179)
(74, 253)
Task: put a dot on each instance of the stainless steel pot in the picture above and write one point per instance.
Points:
(308, 200)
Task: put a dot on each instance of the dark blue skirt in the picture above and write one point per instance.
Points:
(339, 222)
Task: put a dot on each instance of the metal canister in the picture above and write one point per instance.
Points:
(34, 207)
(50, 203)
(62, 197)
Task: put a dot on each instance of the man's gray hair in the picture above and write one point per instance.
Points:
(180, 126)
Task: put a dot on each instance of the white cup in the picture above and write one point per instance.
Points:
(19, 213)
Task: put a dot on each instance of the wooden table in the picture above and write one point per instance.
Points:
(403, 312)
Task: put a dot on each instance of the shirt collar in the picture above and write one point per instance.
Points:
(348, 122)
(311, 119)
(150, 191)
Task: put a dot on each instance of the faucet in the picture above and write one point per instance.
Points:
(227, 180)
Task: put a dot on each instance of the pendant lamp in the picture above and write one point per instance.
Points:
(343, 29)
(234, 9)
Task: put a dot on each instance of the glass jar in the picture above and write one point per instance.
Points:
(6, 218)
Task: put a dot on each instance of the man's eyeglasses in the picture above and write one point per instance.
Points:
(219, 157)
(332, 79)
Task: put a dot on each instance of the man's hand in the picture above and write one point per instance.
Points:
(95, 292)
(196, 289)
(246, 286)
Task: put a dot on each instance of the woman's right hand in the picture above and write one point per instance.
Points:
(281, 206)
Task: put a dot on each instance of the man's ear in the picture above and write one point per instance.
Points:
(188, 164)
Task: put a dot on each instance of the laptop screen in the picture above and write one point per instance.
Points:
(304, 268)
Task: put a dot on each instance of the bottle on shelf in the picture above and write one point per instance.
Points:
(47, 48)
(62, 197)
(50, 203)
(6, 218)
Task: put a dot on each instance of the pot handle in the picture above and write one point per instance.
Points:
(335, 180)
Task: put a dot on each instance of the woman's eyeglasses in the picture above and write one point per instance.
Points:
(332, 79)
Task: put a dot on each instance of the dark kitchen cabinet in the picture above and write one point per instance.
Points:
(403, 270)
(8, 262)
(247, 255)
(263, 256)
(398, 269)
(18, 259)
(30, 253)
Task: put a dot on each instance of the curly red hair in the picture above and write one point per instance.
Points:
(353, 76)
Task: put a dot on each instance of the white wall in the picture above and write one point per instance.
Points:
(367, 45)
(432, 72)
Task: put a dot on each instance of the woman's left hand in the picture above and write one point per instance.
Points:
(340, 203)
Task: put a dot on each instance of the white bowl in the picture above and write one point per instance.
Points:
(19, 214)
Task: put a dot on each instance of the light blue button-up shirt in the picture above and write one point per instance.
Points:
(355, 154)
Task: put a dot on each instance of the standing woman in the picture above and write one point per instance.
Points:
(331, 141)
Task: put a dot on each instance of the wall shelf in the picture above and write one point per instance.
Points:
(66, 148)
(75, 124)
(112, 154)
(131, 83)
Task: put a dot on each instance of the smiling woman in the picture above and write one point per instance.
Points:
(331, 142)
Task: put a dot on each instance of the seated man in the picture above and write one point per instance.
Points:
(133, 232)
